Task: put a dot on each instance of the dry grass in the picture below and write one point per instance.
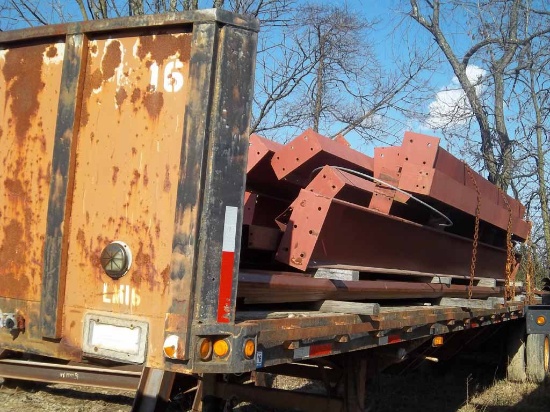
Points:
(459, 387)
(507, 396)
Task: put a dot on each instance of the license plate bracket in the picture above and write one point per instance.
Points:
(115, 338)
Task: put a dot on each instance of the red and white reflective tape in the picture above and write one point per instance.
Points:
(394, 339)
(313, 351)
(228, 260)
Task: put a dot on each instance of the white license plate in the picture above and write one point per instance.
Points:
(115, 338)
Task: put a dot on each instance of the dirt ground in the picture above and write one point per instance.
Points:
(454, 387)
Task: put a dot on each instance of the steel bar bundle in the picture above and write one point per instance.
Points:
(281, 288)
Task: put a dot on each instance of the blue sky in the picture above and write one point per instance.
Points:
(388, 43)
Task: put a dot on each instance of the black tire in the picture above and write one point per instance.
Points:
(515, 367)
(537, 357)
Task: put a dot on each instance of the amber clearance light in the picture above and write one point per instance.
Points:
(437, 341)
(221, 348)
(249, 349)
(541, 320)
(205, 349)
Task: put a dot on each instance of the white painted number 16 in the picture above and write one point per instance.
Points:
(172, 78)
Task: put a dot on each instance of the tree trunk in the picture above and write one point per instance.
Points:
(190, 4)
(82, 9)
(541, 169)
(136, 7)
(506, 161)
(459, 69)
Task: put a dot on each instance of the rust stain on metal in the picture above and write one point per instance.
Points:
(12, 256)
(136, 95)
(160, 48)
(153, 102)
(12, 251)
(145, 268)
(165, 275)
(167, 185)
(111, 60)
(81, 239)
(115, 174)
(145, 177)
(22, 73)
(121, 96)
(51, 52)
(135, 180)
(14, 188)
(95, 82)
(109, 63)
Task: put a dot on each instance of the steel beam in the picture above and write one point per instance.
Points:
(439, 186)
(324, 232)
(334, 183)
(388, 163)
(424, 150)
(296, 160)
(69, 374)
(153, 394)
(260, 176)
(427, 169)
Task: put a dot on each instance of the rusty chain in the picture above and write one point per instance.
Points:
(530, 271)
(476, 233)
(509, 291)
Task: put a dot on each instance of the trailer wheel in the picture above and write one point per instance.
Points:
(515, 367)
(537, 357)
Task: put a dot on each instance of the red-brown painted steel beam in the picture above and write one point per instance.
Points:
(437, 185)
(421, 167)
(323, 231)
(260, 176)
(297, 159)
(331, 182)
(388, 163)
(260, 149)
(424, 150)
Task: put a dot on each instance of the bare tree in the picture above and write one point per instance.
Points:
(496, 39)
(19, 13)
(530, 90)
(323, 73)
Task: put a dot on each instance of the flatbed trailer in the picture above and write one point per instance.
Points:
(123, 147)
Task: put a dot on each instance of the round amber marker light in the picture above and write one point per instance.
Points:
(249, 349)
(221, 348)
(170, 346)
(541, 320)
(437, 341)
(205, 349)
